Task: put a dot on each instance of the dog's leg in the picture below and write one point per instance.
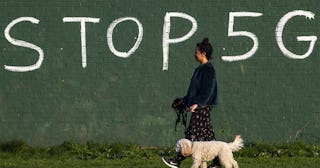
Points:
(203, 164)
(196, 163)
(227, 164)
(226, 159)
(235, 164)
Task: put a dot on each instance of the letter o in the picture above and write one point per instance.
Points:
(110, 33)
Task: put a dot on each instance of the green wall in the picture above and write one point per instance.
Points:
(267, 97)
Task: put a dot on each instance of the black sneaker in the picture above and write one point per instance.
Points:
(215, 163)
(214, 166)
(171, 162)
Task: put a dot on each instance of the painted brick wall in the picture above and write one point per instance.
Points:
(267, 96)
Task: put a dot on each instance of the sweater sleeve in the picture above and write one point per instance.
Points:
(207, 82)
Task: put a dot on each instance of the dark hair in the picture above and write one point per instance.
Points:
(206, 47)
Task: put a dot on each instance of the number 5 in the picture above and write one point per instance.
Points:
(242, 33)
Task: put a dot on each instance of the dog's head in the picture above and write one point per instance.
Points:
(183, 147)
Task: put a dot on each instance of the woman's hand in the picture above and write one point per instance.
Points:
(193, 107)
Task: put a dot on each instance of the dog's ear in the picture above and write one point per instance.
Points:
(186, 148)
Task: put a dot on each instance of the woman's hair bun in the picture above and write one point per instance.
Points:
(206, 47)
(205, 41)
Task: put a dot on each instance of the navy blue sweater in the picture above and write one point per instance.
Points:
(203, 87)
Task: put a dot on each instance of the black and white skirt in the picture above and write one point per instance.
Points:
(200, 128)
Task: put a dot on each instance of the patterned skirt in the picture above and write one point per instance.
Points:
(200, 128)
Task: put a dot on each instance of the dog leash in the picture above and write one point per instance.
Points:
(181, 111)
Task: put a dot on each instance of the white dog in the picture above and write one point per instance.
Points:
(203, 151)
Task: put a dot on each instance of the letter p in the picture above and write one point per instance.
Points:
(166, 33)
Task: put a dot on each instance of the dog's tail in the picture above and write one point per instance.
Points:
(237, 144)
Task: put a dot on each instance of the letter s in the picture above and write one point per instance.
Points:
(23, 44)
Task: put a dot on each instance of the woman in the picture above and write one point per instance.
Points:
(200, 99)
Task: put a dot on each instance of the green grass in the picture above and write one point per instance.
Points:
(17, 162)
(18, 154)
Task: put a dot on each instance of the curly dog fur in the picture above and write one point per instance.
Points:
(203, 151)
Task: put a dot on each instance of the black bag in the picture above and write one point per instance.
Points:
(181, 110)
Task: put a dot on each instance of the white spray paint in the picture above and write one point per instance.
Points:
(279, 30)
(242, 33)
(110, 33)
(82, 21)
(166, 41)
(23, 44)
(166, 34)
